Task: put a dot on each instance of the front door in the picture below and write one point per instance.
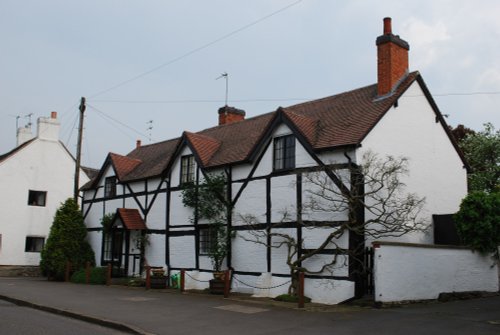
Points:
(117, 253)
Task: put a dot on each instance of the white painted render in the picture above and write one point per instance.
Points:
(252, 203)
(436, 170)
(42, 165)
(406, 272)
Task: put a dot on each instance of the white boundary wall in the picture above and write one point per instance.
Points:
(405, 271)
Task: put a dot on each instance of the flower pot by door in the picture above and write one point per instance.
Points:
(216, 286)
(159, 282)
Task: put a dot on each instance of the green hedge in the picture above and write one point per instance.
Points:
(97, 276)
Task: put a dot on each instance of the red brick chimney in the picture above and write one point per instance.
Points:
(138, 143)
(230, 114)
(392, 59)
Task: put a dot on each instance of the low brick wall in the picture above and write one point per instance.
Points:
(19, 271)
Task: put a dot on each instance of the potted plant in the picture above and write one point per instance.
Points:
(158, 279)
(218, 250)
(209, 199)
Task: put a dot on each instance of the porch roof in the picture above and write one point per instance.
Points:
(131, 219)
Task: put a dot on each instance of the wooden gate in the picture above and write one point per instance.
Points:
(368, 282)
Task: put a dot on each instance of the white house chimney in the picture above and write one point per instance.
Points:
(48, 128)
(24, 134)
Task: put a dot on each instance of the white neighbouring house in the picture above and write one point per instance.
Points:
(35, 178)
(264, 160)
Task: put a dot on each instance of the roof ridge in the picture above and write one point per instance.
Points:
(16, 149)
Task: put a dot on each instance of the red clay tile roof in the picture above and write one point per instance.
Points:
(123, 165)
(340, 120)
(204, 145)
(154, 157)
(131, 218)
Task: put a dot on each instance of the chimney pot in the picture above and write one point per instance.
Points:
(387, 26)
(138, 144)
(53, 115)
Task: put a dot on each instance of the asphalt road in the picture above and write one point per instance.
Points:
(169, 312)
(16, 320)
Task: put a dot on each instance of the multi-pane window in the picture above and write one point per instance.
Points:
(34, 244)
(284, 153)
(207, 238)
(107, 253)
(37, 198)
(110, 187)
(187, 169)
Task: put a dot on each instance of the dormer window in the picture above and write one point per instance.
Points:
(110, 187)
(284, 153)
(187, 169)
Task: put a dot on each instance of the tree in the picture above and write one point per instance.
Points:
(208, 200)
(460, 132)
(482, 151)
(478, 222)
(66, 242)
(369, 198)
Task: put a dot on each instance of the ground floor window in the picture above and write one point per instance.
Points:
(207, 238)
(107, 243)
(34, 243)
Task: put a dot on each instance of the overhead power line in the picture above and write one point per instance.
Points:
(195, 50)
(182, 101)
(198, 101)
(118, 122)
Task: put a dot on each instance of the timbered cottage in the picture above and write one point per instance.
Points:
(264, 160)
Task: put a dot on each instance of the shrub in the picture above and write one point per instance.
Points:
(478, 222)
(66, 242)
(97, 276)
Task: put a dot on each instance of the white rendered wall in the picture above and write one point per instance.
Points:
(179, 215)
(252, 202)
(283, 199)
(412, 272)
(155, 250)
(436, 170)
(182, 253)
(42, 165)
(247, 255)
(322, 291)
(157, 214)
(95, 240)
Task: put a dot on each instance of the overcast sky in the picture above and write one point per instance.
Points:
(54, 52)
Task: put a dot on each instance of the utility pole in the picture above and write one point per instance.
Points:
(79, 151)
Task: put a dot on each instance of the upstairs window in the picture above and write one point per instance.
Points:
(110, 187)
(34, 244)
(284, 153)
(37, 198)
(187, 169)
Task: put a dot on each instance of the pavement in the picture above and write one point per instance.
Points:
(138, 311)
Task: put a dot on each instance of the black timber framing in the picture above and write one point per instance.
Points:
(167, 226)
(356, 235)
(268, 223)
